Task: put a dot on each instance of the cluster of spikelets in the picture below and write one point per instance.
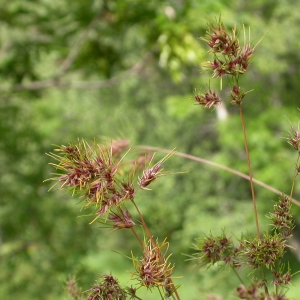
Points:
(154, 269)
(105, 181)
(253, 253)
(229, 58)
(106, 288)
(95, 173)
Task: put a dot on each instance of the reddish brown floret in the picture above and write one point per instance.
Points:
(153, 269)
(207, 99)
(121, 219)
(237, 95)
(149, 175)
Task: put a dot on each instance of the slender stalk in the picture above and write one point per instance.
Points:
(294, 178)
(144, 223)
(237, 275)
(250, 171)
(252, 186)
(265, 283)
(211, 163)
(137, 237)
(160, 292)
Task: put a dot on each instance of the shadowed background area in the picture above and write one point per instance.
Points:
(127, 69)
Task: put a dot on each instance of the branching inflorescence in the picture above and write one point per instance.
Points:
(259, 253)
(106, 182)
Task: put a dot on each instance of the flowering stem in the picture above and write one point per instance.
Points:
(296, 173)
(265, 283)
(144, 224)
(237, 275)
(250, 170)
(137, 237)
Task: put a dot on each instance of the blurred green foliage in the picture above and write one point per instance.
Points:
(127, 68)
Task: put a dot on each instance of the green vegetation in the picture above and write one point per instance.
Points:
(127, 69)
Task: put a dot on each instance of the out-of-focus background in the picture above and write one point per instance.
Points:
(127, 69)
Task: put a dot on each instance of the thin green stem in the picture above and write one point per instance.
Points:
(294, 178)
(144, 224)
(252, 185)
(137, 237)
(265, 283)
(160, 292)
(237, 274)
(250, 170)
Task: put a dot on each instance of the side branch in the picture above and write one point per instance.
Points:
(227, 169)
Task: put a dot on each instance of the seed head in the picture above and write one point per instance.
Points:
(294, 138)
(219, 40)
(107, 288)
(150, 174)
(264, 252)
(92, 172)
(255, 292)
(153, 269)
(237, 95)
(281, 278)
(210, 250)
(229, 56)
(121, 219)
(217, 66)
(282, 219)
(207, 99)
